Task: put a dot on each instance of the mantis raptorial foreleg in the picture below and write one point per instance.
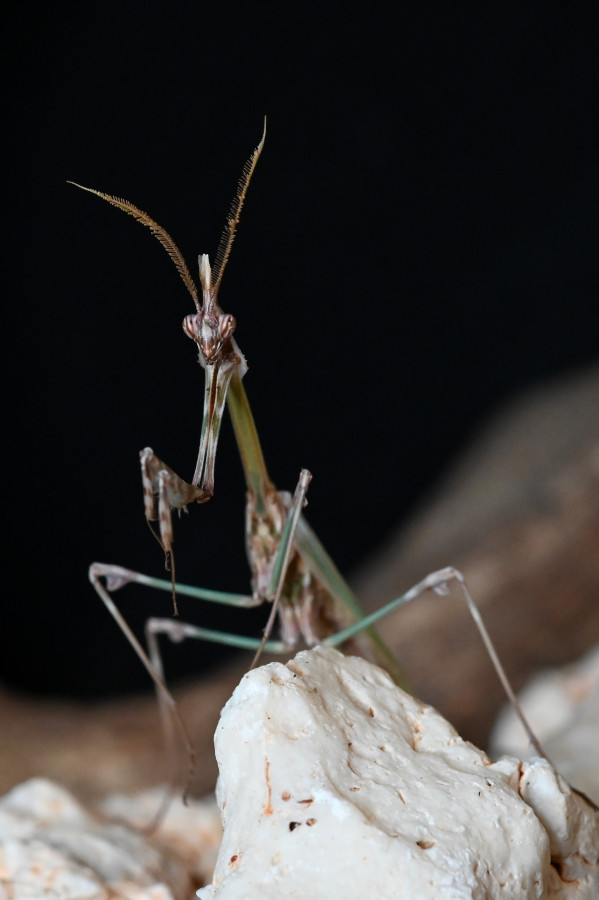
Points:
(164, 491)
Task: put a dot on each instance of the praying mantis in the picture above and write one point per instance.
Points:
(289, 566)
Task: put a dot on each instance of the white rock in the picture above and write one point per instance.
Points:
(572, 825)
(51, 847)
(335, 783)
(192, 832)
(562, 706)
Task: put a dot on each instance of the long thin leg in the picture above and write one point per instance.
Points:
(178, 631)
(172, 720)
(117, 577)
(438, 582)
(167, 701)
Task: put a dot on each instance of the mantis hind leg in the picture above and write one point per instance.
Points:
(439, 583)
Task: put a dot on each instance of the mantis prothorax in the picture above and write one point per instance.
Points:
(288, 563)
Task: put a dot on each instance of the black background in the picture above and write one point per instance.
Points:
(418, 244)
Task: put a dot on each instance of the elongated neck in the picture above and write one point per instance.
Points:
(248, 442)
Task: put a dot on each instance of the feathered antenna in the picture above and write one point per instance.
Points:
(228, 236)
(158, 232)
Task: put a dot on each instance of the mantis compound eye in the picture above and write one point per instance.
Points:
(226, 326)
(192, 325)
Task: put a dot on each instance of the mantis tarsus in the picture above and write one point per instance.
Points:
(289, 566)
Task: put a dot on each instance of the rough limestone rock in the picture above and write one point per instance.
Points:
(51, 847)
(562, 705)
(192, 832)
(335, 783)
(572, 825)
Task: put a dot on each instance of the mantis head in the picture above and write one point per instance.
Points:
(209, 327)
